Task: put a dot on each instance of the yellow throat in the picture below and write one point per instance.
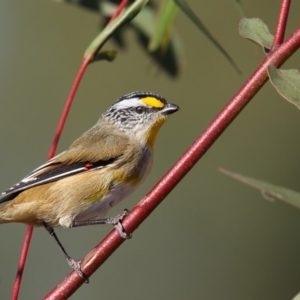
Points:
(152, 133)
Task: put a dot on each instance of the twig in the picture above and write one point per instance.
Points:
(281, 23)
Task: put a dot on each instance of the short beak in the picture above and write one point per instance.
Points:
(169, 109)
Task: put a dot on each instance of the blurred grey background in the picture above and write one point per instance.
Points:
(212, 238)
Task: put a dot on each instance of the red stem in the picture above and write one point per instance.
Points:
(112, 241)
(281, 24)
(67, 107)
(62, 121)
(22, 261)
(118, 10)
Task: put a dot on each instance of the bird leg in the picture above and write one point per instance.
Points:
(115, 221)
(74, 264)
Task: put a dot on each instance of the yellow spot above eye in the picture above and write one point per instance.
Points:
(153, 102)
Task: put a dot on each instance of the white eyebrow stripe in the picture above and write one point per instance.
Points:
(133, 102)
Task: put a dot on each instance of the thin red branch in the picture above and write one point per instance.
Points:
(67, 107)
(22, 261)
(62, 121)
(142, 210)
(118, 10)
(281, 23)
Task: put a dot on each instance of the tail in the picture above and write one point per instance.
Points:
(2, 218)
(5, 216)
(19, 213)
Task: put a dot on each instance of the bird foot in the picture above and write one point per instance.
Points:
(75, 265)
(116, 222)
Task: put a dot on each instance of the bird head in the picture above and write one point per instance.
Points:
(140, 114)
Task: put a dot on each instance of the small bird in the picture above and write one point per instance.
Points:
(103, 166)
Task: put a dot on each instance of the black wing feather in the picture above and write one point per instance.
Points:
(59, 172)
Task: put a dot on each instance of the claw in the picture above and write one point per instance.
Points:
(75, 265)
(115, 220)
(122, 232)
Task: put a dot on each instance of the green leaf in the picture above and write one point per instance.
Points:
(297, 297)
(287, 84)
(193, 17)
(256, 31)
(268, 190)
(125, 17)
(164, 25)
(171, 57)
(108, 55)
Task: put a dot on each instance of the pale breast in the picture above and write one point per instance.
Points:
(99, 209)
(119, 189)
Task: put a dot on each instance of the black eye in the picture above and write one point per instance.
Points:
(139, 109)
